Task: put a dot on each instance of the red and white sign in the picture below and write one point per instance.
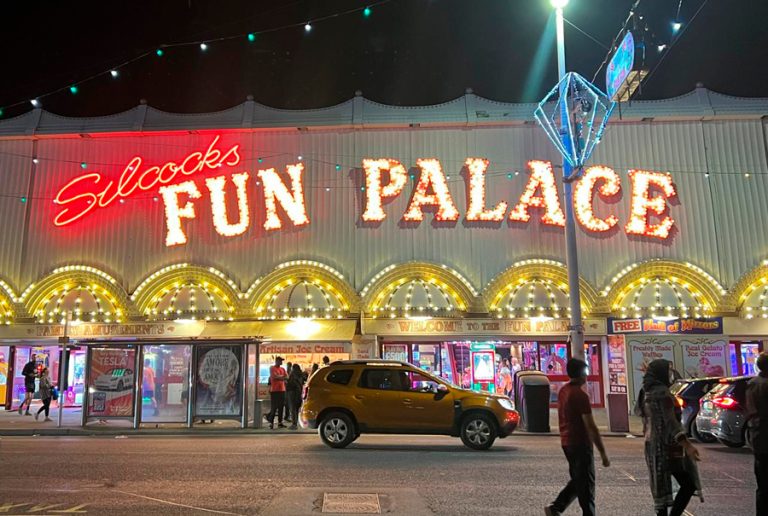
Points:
(181, 182)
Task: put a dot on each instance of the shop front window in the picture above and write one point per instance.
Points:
(5, 353)
(427, 357)
(165, 383)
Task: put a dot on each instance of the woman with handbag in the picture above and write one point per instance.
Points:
(46, 394)
(668, 452)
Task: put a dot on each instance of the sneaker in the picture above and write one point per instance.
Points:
(271, 426)
(21, 408)
(550, 511)
(292, 427)
(37, 416)
(280, 425)
(47, 419)
(27, 413)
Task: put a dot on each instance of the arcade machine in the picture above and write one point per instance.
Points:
(482, 359)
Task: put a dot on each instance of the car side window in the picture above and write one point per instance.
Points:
(381, 379)
(417, 382)
(339, 376)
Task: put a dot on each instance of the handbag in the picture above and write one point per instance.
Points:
(54, 393)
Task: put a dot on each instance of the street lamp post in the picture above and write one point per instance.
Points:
(576, 330)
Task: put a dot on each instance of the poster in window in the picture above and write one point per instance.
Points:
(218, 391)
(704, 357)
(111, 382)
(617, 365)
(645, 350)
(396, 352)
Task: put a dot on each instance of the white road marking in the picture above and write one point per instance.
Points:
(733, 478)
(174, 503)
(633, 479)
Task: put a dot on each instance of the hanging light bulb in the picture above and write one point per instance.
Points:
(367, 12)
(114, 73)
(35, 103)
(73, 89)
(251, 37)
(661, 47)
(307, 27)
(159, 52)
(203, 46)
(676, 25)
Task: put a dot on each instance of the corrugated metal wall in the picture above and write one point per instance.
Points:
(721, 219)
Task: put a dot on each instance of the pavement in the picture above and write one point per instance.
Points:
(296, 474)
(14, 424)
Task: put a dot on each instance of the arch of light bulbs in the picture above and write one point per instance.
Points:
(85, 292)
(85, 302)
(518, 299)
(440, 299)
(315, 298)
(180, 300)
(688, 302)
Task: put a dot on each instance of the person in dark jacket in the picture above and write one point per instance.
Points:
(757, 423)
(294, 388)
(29, 372)
(668, 452)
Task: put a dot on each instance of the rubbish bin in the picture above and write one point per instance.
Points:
(258, 406)
(532, 393)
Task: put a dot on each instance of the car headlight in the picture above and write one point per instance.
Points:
(506, 404)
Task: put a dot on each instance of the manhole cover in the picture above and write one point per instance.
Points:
(351, 503)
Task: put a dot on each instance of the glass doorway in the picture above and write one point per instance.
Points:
(165, 383)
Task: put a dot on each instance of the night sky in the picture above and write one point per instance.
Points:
(407, 52)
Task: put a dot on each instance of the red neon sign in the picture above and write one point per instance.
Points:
(87, 192)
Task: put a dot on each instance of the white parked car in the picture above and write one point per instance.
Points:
(117, 379)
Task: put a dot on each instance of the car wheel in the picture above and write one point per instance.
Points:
(337, 430)
(702, 437)
(120, 385)
(731, 444)
(478, 431)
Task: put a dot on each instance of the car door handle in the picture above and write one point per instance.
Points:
(359, 397)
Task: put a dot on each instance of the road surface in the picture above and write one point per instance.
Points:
(290, 474)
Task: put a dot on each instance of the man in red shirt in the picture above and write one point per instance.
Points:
(577, 434)
(277, 378)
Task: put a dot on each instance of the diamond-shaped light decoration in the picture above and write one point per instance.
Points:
(584, 108)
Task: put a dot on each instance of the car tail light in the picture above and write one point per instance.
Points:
(725, 402)
(680, 402)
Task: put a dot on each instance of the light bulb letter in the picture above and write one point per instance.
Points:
(292, 202)
(174, 213)
(432, 178)
(643, 205)
(542, 178)
(219, 204)
(584, 194)
(375, 192)
(476, 211)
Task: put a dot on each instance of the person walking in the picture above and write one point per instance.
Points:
(326, 361)
(668, 452)
(277, 378)
(757, 423)
(294, 388)
(46, 394)
(29, 372)
(287, 406)
(578, 432)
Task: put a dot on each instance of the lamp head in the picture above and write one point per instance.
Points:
(558, 4)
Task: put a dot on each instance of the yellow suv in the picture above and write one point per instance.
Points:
(352, 397)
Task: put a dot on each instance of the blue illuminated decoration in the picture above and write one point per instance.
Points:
(588, 110)
(620, 66)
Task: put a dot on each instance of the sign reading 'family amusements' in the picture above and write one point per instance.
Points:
(182, 182)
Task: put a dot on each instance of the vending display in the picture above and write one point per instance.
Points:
(482, 359)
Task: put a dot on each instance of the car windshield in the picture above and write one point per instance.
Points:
(719, 388)
(678, 387)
